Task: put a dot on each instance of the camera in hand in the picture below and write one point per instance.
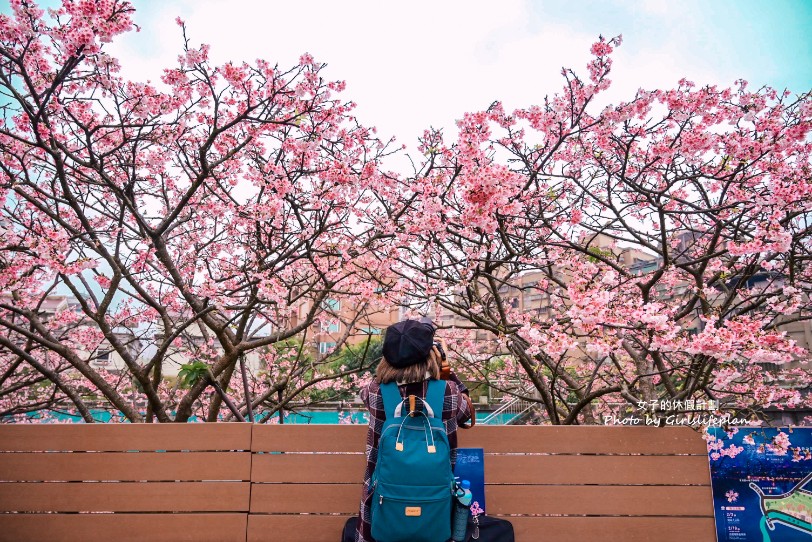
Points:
(445, 368)
(440, 349)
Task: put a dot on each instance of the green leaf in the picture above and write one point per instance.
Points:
(191, 373)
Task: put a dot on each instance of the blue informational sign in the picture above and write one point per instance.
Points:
(471, 466)
(763, 493)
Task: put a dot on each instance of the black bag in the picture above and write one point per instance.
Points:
(489, 529)
(480, 529)
(349, 530)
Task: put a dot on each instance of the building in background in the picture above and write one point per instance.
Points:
(344, 321)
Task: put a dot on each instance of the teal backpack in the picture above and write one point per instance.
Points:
(413, 482)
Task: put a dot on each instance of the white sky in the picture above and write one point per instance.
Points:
(413, 64)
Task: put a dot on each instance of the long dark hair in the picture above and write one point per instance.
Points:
(386, 373)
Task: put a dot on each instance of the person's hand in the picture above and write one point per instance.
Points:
(472, 421)
(445, 368)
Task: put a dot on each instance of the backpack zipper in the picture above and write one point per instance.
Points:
(380, 499)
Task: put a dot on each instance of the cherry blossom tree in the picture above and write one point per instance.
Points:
(650, 252)
(207, 216)
(590, 258)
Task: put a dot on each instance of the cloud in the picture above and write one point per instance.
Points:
(414, 64)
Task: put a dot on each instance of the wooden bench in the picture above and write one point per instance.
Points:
(562, 484)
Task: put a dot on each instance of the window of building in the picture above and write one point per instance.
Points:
(333, 327)
(325, 347)
(331, 304)
(103, 358)
(532, 298)
(770, 367)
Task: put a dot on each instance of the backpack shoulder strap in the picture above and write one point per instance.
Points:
(435, 397)
(391, 398)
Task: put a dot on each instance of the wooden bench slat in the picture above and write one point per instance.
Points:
(296, 528)
(125, 497)
(227, 527)
(612, 529)
(309, 438)
(22, 467)
(308, 468)
(600, 500)
(310, 498)
(596, 469)
(501, 469)
(497, 439)
(584, 439)
(123, 437)
(314, 528)
(517, 499)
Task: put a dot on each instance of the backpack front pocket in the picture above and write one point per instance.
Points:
(411, 513)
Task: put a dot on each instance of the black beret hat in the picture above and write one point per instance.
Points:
(407, 343)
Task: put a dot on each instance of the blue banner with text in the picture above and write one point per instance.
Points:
(762, 483)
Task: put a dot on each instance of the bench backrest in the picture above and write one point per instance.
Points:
(161, 482)
(613, 484)
(301, 482)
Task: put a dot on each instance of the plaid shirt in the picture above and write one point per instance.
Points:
(455, 411)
